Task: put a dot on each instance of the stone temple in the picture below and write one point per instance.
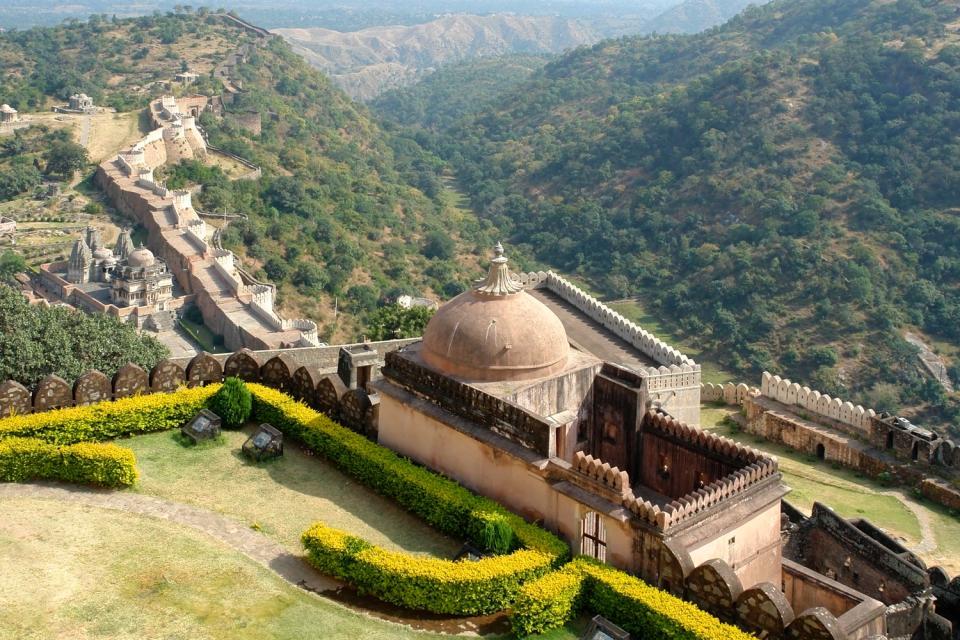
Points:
(497, 397)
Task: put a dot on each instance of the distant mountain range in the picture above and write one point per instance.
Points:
(367, 62)
(693, 16)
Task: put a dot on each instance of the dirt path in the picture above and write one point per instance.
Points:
(928, 539)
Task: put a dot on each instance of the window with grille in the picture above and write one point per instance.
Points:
(593, 537)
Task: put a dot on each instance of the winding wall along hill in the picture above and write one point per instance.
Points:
(338, 219)
(782, 191)
(366, 62)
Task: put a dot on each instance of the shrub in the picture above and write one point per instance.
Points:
(549, 602)
(23, 459)
(423, 583)
(642, 610)
(109, 420)
(232, 403)
(497, 535)
(441, 502)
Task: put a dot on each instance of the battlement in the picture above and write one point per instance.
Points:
(644, 341)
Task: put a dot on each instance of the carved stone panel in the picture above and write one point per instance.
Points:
(130, 380)
(277, 373)
(243, 365)
(90, 388)
(304, 386)
(330, 390)
(52, 392)
(14, 399)
(202, 370)
(353, 410)
(167, 376)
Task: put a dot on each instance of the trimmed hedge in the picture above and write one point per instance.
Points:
(642, 610)
(441, 502)
(423, 583)
(549, 602)
(109, 420)
(23, 459)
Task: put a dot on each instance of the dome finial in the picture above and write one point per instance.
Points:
(499, 282)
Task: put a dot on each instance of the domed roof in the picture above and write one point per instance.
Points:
(496, 332)
(102, 254)
(141, 257)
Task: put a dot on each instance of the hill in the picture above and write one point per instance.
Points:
(365, 63)
(694, 16)
(340, 219)
(440, 99)
(780, 192)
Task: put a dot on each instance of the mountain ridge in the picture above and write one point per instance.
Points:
(364, 63)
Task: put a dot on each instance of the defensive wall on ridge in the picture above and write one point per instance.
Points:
(233, 304)
(839, 431)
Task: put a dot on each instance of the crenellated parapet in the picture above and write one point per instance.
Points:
(792, 394)
(730, 394)
(751, 468)
(596, 471)
(641, 339)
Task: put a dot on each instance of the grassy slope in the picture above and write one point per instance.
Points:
(81, 572)
(303, 489)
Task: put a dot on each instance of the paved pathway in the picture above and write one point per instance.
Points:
(590, 334)
(85, 131)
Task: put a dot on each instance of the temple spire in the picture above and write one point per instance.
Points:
(499, 282)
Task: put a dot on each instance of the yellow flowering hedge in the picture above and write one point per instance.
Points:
(440, 501)
(423, 583)
(642, 610)
(23, 459)
(109, 420)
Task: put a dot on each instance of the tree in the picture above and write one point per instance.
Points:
(37, 341)
(11, 264)
(233, 403)
(439, 245)
(394, 322)
(63, 158)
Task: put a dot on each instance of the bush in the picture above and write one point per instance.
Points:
(549, 602)
(423, 583)
(642, 610)
(441, 502)
(23, 459)
(109, 420)
(232, 403)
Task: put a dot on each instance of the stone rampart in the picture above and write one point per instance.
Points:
(639, 338)
(503, 417)
(178, 235)
(814, 402)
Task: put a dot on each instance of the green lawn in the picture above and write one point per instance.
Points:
(79, 572)
(849, 494)
(282, 497)
(712, 371)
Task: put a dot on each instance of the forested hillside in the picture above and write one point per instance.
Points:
(345, 216)
(781, 191)
(455, 90)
